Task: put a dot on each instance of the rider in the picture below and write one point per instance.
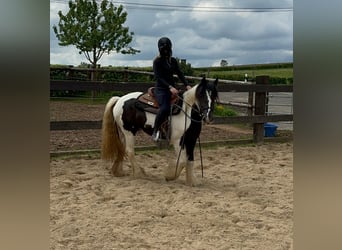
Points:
(164, 66)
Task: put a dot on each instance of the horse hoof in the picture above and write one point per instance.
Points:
(117, 173)
(140, 173)
(170, 178)
(193, 183)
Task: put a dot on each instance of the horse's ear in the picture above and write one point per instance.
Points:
(216, 81)
(203, 81)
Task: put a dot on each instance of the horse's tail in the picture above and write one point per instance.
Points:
(113, 148)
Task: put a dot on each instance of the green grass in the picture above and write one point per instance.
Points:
(277, 71)
(282, 72)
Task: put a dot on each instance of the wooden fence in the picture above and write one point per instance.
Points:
(261, 87)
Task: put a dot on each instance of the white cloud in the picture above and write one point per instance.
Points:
(203, 38)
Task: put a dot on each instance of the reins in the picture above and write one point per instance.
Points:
(187, 116)
(181, 109)
(182, 146)
(183, 141)
(200, 149)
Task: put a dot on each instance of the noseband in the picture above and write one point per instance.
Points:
(204, 111)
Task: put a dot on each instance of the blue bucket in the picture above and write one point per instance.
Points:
(270, 129)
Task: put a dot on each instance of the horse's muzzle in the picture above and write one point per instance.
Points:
(208, 120)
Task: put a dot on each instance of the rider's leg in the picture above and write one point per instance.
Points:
(163, 98)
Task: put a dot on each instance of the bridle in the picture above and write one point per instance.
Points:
(202, 111)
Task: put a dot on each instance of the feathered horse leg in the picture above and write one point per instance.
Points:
(112, 148)
(130, 141)
(175, 168)
(191, 180)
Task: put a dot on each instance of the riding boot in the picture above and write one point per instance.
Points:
(157, 123)
(155, 135)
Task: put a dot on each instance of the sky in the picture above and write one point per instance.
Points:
(203, 32)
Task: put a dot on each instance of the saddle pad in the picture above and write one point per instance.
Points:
(148, 99)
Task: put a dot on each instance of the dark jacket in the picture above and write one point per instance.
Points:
(164, 71)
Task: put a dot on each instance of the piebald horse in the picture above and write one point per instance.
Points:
(125, 116)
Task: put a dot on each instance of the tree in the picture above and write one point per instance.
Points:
(224, 63)
(94, 29)
(185, 67)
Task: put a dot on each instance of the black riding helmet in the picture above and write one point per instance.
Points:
(165, 46)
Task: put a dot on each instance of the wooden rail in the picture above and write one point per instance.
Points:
(81, 125)
(142, 86)
(260, 87)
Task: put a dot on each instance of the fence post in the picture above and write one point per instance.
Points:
(70, 72)
(250, 103)
(126, 74)
(260, 109)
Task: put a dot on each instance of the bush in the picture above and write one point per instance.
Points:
(221, 110)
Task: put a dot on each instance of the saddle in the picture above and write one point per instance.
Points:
(148, 102)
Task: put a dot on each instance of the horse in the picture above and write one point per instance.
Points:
(124, 116)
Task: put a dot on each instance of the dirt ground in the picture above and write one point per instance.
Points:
(244, 201)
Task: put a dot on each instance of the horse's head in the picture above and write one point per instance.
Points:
(206, 96)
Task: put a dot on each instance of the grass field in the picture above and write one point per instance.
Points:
(283, 73)
(280, 70)
(279, 73)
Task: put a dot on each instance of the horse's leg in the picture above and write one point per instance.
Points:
(190, 177)
(136, 170)
(175, 168)
(117, 169)
(190, 142)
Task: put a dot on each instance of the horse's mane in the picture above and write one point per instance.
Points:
(189, 95)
